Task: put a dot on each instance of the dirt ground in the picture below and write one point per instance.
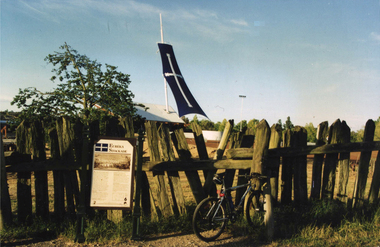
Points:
(163, 240)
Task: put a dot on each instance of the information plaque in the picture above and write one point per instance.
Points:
(112, 176)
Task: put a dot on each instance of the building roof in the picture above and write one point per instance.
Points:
(158, 113)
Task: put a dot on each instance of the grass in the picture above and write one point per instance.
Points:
(321, 223)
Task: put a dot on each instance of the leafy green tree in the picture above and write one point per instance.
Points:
(280, 123)
(84, 89)
(243, 124)
(311, 133)
(252, 124)
(288, 124)
(185, 120)
(206, 124)
(377, 130)
(222, 125)
(357, 136)
(195, 119)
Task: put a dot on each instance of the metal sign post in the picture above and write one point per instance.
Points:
(137, 209)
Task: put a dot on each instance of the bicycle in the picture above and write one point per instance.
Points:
(213, 213)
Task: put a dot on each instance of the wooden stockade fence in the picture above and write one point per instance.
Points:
(162, 191)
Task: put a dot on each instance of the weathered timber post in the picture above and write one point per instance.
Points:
(259, 165)
(316, 179)
(344, 163)
(274, 162)
(5, 209)
(229, 177)
(300, 165)
(180, 144)
(65, 132)
(173, 176)
(375, 186)
(24, 193)
(161, 192)
(224, 140)
(244, 141)
(329, 171)
(287, 170)
(208, 187)
(361, 176)
(59, 191)
(41, 181)
(81, 204)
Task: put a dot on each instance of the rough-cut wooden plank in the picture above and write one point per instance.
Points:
(246, 153)
(246, 142)
(24, 193)
(180, 144)
(375, 186)
(300, 165)
(274, 162)
(239, 153)
(65, 128)
(329, 171)
(287, 170)
(41, 181)
(263, 133)
(199, 141)
(208, 187)
(325, 149)
(261, 144)
(159, 176)
(316, 180)
(5, 209)
(344, 163)
(224, 140)
(361, 176)
(230, 173)
(173, 176)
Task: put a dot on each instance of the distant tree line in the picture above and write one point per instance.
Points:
(356, 136)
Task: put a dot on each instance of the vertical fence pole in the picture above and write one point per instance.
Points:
(158, 176)
(274, 142)
(316, 179)
(24, 187)
(375, 186)
(344, 163)
(287, 171)
(5, 209)
(173, 176)
(263, 133)
(137, 209)
(179, 141)
(300, 165)
(361, 176)
(329, 171)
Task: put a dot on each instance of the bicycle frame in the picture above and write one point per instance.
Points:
(225, 192)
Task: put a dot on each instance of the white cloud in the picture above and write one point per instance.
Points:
(240, 22)
(375, 36)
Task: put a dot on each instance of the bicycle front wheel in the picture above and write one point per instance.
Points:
(209, 219)
(254, 209)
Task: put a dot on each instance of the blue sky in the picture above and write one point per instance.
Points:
(311, 60)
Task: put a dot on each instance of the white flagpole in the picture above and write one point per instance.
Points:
(165, 83)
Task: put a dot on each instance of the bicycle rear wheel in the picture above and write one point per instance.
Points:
(209, 219)
(254, 209)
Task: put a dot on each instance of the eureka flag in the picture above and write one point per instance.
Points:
(185, 101)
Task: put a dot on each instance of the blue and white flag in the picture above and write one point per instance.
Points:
(185, 101)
